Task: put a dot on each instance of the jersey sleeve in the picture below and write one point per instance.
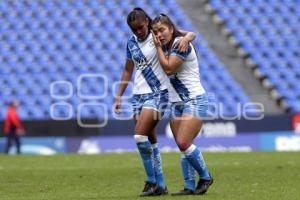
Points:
(181, 55)
(128, 53)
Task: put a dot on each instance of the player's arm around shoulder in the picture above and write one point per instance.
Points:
(183, 43)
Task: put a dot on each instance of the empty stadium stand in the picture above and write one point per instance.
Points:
(267, 32)
(54, 55)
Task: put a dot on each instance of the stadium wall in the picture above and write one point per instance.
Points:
(262, 141)
(272, 133)
(215, 127)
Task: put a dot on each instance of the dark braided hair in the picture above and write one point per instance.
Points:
(137, 13)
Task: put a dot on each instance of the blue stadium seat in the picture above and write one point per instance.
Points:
(46, 41)
(270, 26)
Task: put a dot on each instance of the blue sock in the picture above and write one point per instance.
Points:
(195, 158)
(158, 167)
(188, 173)
(145, 149)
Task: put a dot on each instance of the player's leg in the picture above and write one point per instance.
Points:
(9, 141)
(157, 162)
(18, 143)
(151, 136)
(143, 146)
(150, 113)
(189, 129)
(188, 171)
(143, 128)
(157, 102)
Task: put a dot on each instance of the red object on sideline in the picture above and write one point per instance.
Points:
(12, 120)
(296, 123)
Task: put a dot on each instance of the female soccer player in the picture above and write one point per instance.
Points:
(189, 101)
(150, 95)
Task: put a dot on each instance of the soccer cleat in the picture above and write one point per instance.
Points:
(160, 191)
(185, 191)
(203, 186)
(149, 189)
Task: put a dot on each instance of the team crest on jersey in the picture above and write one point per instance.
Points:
(138, 55)
(142, 64)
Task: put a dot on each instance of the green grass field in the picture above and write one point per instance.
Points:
(243, 176)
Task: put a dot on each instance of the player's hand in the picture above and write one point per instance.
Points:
(117, 105)
(183, 45)
(156, 41)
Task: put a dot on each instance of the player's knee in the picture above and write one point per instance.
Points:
(183, 144)
(138, 129)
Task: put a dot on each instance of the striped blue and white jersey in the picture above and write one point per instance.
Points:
(149, 76)
(186, 79)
